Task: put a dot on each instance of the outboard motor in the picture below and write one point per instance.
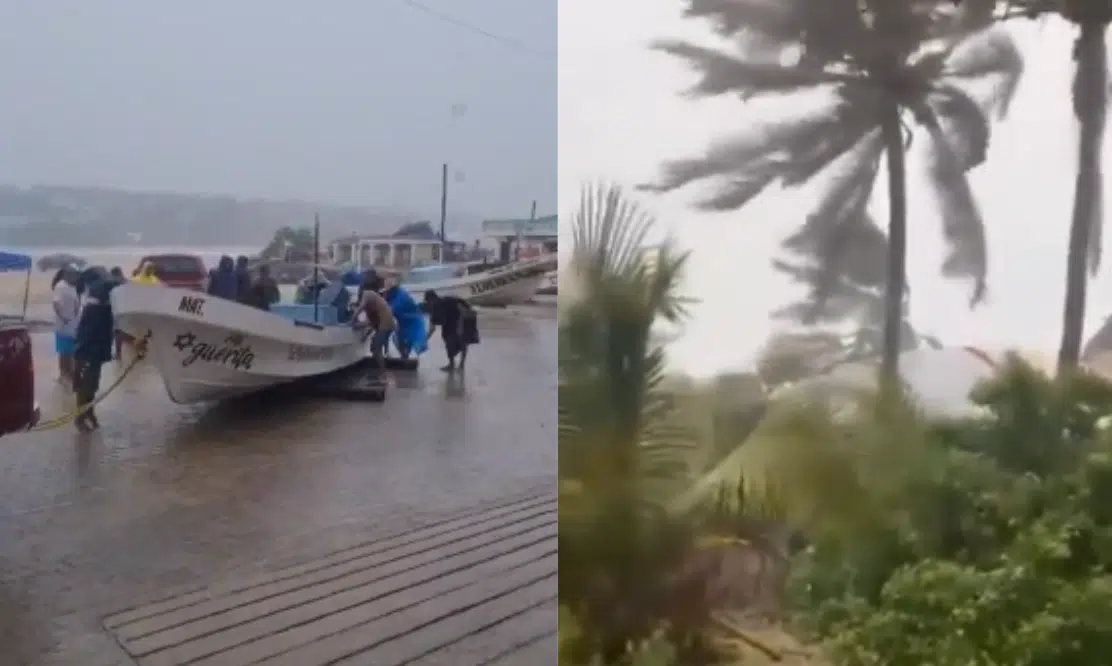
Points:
(18, 410)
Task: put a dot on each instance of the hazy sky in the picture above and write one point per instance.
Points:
(340, 100)
(620, 116)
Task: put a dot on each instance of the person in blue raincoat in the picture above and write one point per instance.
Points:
(410, 336)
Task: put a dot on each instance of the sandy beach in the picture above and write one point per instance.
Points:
(12, 286)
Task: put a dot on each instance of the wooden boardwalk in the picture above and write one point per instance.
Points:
(471, 590)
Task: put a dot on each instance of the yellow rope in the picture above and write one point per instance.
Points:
(75, 413)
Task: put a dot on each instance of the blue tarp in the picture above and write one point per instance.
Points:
(14, 261)
(411, 331)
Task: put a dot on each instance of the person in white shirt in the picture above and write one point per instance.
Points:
(67, 312)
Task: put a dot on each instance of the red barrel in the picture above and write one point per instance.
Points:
(18, 410)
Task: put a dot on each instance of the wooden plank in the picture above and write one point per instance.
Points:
(458, 592)
(489, 641)
(339, 577)
(456, 525)
(388, 639)
(540, 651)
(387, 594)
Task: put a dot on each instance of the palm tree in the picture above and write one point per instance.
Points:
(860, 70)
(623, 453)
(1090, 106)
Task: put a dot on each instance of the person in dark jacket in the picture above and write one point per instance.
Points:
(223, 282)
(243, 278)
(264, 291)
(92, 349)
(458, 324)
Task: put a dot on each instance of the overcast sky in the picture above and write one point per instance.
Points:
(621, 116)
(341, 100)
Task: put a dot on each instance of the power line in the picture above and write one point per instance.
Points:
(439, 15)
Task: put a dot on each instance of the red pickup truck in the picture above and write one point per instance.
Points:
(184, 271)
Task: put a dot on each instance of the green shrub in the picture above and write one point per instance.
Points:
(1003, 555)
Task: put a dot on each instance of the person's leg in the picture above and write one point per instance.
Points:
(94, 389)
(378, 347)
(81, 390)
(462, 355)
(64, 373)
(451, 347)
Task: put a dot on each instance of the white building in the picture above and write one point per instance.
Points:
(523, 238)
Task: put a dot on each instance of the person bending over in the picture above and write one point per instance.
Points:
(381, 320)
(458, 326)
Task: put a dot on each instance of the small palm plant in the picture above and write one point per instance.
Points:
(861, 72)
(623, 452)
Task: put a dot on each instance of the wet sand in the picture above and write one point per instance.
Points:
(168, 496)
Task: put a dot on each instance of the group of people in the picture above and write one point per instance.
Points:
(393, 315)
(84, 332)
(233, 280)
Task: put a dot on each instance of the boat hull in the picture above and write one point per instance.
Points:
(208, 348)
(511, 284)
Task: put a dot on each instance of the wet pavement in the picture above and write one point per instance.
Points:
(168, 497)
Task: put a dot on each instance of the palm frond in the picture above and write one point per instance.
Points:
(770, 29)
(988, 57)
(609, 233)
(725, 73)
(617, 433)
(963, 122)
(774, 150)
(962, 225)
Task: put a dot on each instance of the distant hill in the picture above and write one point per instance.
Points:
(60, 216)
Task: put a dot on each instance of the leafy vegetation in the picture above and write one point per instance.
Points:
(695, 517)
(291, 244)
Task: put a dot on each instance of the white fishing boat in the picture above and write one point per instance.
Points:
(209, 348)
(483, 284)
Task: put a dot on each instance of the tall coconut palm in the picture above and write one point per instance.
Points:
(1090, 107)
(860, 71)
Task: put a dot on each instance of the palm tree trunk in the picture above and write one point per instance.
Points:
(896, 279)
(1089, 93)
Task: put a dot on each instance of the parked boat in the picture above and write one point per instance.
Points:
(483, 284)
(208, 348)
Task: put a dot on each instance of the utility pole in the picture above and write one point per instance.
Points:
(443, 209)
(520, 226)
